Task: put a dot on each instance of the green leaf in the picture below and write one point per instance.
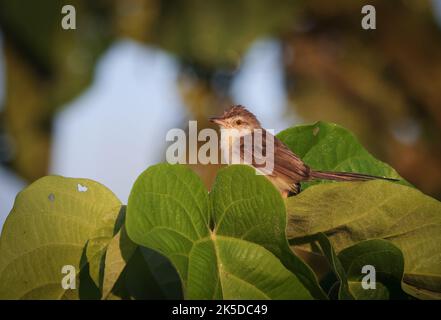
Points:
(343, 291)
(138, 281)
(329, 147)
(384, 265)
(145, 275)
(388, 262)
(169, 211)
(164, 274)
(229, 268)
(350, 212)
(119, 251)
(247, 206)
(56, 221)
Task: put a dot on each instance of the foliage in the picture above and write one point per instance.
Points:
(175, 239)
(169, 210)
(330, 147)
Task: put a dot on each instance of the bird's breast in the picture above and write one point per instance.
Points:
(230, 144)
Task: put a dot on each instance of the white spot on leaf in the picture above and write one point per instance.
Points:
(82, 188)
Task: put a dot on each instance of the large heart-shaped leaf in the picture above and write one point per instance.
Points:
(350, 212)
(253, 210)
(169, 211)
(327, 146)
(55, 222)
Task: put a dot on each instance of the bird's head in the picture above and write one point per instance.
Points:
(237, 117)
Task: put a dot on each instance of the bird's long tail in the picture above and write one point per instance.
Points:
(345, 176)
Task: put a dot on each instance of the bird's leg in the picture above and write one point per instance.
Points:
(294, 191)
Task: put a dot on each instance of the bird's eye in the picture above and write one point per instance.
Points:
(238, 122)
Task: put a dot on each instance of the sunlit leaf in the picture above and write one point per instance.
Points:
(327, 146)
(169, 211)
(350, 212)
(51, 225)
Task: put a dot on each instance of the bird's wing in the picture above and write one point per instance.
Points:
(285, 163)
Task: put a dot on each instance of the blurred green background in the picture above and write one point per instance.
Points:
(384, 84)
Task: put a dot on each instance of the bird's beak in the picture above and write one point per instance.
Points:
(217, 120)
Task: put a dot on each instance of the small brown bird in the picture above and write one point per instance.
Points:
(288, 169)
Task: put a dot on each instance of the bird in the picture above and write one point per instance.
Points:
(288, 170)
